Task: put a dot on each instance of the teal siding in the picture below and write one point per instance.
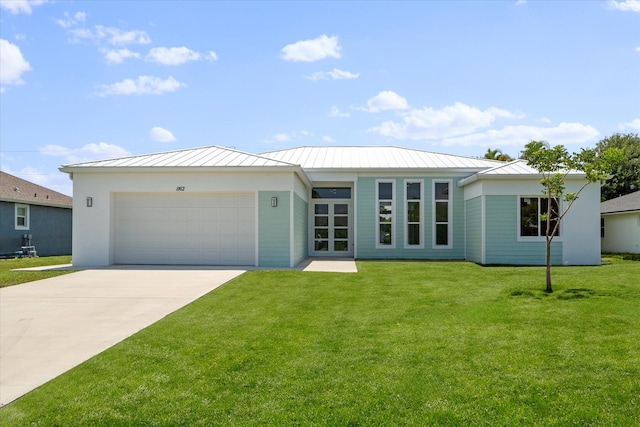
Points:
(274, 229)
(501, 229)
(473, 213)
(301, 224)
(366, 229)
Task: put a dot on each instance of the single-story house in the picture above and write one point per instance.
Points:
(32, 215)
(620, 224)
(214, 205)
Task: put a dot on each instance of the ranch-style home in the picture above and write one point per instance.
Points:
(218, 206)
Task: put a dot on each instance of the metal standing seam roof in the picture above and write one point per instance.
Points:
(14, 189)
(212, 156)
(514, 168)
(627, 203)
(375, 157)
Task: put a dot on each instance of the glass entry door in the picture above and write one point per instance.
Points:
(332, 228)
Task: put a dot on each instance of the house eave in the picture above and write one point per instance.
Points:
(36, 203)
(508, 177)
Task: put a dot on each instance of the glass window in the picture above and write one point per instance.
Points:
(442, 214)
(601, 227)
(531, 209)
(22, 217)
(331, 193)
(413, 230)
(385, 214)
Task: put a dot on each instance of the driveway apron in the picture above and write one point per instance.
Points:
(49, 326)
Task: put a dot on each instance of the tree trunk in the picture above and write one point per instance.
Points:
(549, 288)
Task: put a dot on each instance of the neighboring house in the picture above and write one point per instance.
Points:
(620, 224)
(214, 205)
(30, 211)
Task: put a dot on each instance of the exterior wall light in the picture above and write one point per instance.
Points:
(274, 202)
(89, 202)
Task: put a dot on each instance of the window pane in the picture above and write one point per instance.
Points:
(322, 233)
(341, 246)
(21, 211)
(322, 209)
(413, 191)
(554, 215)
(529, 216)
(341, 208)
(413, 212)
(21, 221)
(385, 234)
(341, 233)
(442, 211)
(341, 221)
(385, 191)
(322, 221)
(385, 209)
(414, 234)
(442, 234)
(322, 245)
(331, 193)
(441, 191)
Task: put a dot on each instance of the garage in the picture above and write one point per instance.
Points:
(184, 228)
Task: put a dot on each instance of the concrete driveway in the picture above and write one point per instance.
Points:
(49, 326)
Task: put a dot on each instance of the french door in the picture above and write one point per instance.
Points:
(332, 230)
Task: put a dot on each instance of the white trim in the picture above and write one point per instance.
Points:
(256, 214)
(539, 238)
(449, 244)
(292, 228)
(354, 209)
(483, 229)
(406, 212)
(376, 212)
(27, 216)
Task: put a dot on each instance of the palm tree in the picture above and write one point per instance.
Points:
(497, 155)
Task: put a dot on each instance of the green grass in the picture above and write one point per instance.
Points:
(9, 278)
(400, 343)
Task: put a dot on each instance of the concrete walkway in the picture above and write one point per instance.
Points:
(49, 326)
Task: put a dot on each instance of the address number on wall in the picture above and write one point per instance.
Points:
(180, 188)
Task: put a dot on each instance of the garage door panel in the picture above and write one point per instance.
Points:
(211, 229)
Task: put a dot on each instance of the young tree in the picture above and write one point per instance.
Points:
(555, 163)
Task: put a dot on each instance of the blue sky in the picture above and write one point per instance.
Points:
(88, 80)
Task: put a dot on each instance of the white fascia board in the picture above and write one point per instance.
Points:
(508, 177)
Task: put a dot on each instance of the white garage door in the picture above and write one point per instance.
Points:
(203, 228)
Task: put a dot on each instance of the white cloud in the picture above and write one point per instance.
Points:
(334, 74)
(20, 6)
(144, 85)
(212, 56)
(328, 139)
(564, 133)
(172, 55)
(281, 137)
(638, 49)
(335, 112)
(430, 123)
(119, 55)
(633, 125)
(626, 5)
(12, 64)
(88, 152)
(520, 2)
(544, 120)
(386, 100)
(71, 21)
(312, 50)
(159, 134)
(112, 35)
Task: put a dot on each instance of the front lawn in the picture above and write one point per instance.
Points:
(9, 278)
(400, 343)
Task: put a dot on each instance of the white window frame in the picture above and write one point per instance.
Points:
(406, 213)
(393, 213)
(449, 223)
(27, 217)
(539, 238)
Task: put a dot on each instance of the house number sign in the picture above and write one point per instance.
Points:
(180, 188)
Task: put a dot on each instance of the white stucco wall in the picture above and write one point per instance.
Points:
(622, 233)
(93, 227)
